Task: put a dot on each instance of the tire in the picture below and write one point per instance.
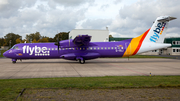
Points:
(81, 62)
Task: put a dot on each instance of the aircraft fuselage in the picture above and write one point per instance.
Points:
(69, 51)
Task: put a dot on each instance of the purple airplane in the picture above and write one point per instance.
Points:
(81, 49)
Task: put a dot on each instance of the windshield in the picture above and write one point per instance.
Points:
(14, 47)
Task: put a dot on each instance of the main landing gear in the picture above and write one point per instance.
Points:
(81, 60)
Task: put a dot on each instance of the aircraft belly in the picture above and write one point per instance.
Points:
(111, 53)
(86, 56)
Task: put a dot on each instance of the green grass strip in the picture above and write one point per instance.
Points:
(2, 51)
(10, 88)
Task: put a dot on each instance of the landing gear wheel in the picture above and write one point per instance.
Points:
(13, 61)
(82, 62)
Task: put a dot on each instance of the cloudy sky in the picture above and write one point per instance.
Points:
(124, 18)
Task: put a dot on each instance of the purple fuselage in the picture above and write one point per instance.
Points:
(67, 50)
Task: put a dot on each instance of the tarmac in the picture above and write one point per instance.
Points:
(50, 68)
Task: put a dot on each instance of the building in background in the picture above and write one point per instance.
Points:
(97, 35)
(4, 47)
(173, 50)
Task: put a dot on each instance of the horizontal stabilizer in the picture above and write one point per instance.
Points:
(81, 40)
(166, 18)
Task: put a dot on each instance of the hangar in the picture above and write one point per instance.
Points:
(97, 35)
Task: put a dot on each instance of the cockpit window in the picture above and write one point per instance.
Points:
(14, 47)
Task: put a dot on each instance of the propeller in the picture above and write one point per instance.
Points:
(57, 43)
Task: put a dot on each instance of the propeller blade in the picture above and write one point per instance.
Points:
(58, 44)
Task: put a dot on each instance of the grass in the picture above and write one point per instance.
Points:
(2, 51)
(10, 88)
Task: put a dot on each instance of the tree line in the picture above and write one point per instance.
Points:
(11, 39)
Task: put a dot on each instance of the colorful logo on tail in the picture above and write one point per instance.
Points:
(157, 32)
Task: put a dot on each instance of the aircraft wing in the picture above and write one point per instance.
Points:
(82, 40)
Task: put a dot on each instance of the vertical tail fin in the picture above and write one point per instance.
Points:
(151, 39)
(158, 29)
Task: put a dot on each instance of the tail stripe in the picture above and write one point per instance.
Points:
(140, 42)
(135, 45)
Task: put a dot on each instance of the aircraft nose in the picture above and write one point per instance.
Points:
(5, 54)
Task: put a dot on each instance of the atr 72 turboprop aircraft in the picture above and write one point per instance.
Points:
(81, 49)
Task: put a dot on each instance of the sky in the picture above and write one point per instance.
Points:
(124, 18)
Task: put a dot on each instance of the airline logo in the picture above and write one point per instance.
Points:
(119, 48)
(157, 32)
(37, 51)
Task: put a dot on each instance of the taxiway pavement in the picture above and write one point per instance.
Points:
(48, 68)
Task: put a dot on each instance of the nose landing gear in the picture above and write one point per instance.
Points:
(81, 61)
(14, 60)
